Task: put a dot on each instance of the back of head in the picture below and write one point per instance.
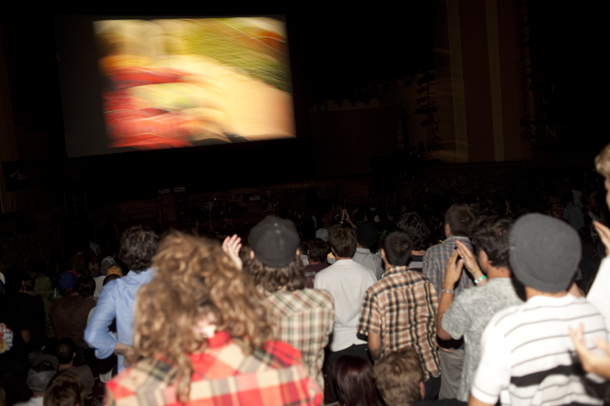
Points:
(415, 227)
(65, 389)
(195, 279)
(353, 380)
(397, 248)
(66, 283)
(398, 376)
(317, 250)
(137, 248)
(274, 241)
(544, 252)
(491, 235)
(460, 218)
(85, 286)
(65, 350)
(343, 240)
(367, 235)
(602, 162)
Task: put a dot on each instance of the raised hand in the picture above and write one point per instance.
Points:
(470, 262)
(453, 271)
(604, 234)
(231, 246)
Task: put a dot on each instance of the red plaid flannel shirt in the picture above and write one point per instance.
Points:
(223, 375)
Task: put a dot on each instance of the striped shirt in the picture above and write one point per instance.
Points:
(304, 319)
(528, 357)
(223, 375)
(401, 308)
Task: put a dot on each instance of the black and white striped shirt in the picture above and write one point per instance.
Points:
(528, 357)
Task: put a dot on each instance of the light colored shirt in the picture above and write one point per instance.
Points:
(116, 301)
(599, 292)
(528, 357)
(34, 401)
(347, 281)
(468, 316)
(372, 261)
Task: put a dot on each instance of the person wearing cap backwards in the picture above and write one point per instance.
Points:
(527, 355)
(302, 317)
(346, 280)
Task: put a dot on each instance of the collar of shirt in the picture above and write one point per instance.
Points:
(395, 269)
(220, 339)
(363, 250)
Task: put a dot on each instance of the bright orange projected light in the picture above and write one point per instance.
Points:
(185, 82)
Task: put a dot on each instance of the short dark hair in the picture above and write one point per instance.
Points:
(397, 376)
(85, 286)
(138, 246)
(65, 389)
(353, 379)
(110, 278)
(397, 247)
(461, 218)
(491, 235)
(317, 250)
(343, 240)
(65, 350)
(412, 224)
(291, 276)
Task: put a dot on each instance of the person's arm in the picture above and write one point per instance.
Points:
(470, 263)
(97, 333)
(374, 344)
(476, 402)
(452, 275)
(591, 362)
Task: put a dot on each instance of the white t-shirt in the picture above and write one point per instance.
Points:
(347, 281)
(599, 294)
(528, 355)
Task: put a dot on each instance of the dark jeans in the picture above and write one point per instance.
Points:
(356, 351)
(432, 387)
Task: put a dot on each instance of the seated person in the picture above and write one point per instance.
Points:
(201, 327)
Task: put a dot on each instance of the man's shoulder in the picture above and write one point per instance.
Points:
(302, 299)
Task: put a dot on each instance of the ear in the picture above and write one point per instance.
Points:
(252, 254)
(383, 254)
(482, 257)
(447, 230)
(422, 389)
(298, 252)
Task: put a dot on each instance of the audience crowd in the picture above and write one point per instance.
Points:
(452, 293)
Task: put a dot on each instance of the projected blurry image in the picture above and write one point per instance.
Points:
(176, 83)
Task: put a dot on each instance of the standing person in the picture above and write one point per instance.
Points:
(137, 247)
(527, 354)
(346, 280)
(598, 294)
(399, 311)
(317, 250)
(367, 236)
(203, 331)
(302, 317)
(468, 315)
(459, 220)
(415, 227)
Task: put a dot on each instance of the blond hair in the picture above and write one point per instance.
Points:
(194, 278)
(602, 162)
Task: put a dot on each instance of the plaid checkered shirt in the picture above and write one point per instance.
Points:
(435, 263)
(401, 308)
(223, 375)
(304, 319)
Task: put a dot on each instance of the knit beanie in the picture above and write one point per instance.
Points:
(544, 252)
